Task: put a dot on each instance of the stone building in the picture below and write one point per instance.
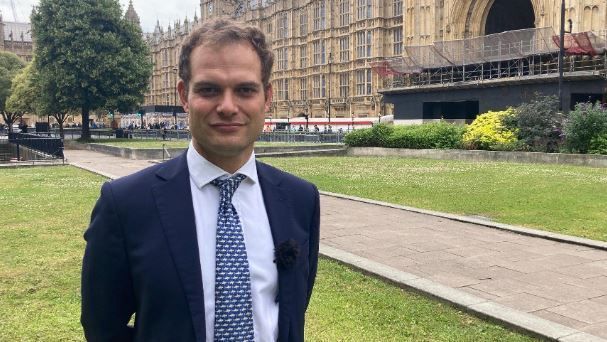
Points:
(16, 38)
(323, 55)
(329, 55)
(464, 57)
(165, 46)
(436, 20)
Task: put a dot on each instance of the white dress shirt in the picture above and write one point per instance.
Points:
(248, 201)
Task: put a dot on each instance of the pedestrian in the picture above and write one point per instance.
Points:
(211, 245)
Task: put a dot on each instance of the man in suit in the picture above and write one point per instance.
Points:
(211, 245)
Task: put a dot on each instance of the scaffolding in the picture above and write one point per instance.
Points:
(520, 53)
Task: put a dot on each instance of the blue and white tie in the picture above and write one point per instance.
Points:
(233, 304)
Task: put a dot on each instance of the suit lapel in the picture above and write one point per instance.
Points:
(174, 201)
(278, 210)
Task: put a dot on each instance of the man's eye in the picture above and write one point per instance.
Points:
(209, 91)
(247, 91)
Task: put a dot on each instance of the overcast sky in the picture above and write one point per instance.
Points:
(166, 11)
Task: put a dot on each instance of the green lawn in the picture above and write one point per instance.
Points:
(41, 247)
(149, 143)
(348, 306)
(564, 199)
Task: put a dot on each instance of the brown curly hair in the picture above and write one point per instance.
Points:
(220, 32)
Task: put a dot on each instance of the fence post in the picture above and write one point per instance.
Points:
(18, 153)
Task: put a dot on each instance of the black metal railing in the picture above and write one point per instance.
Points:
(183, 134)
(49, 146)
(302, 137)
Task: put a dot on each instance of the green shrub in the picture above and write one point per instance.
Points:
(598, 144)
(585, 123)
(539, 124)
(369, 137)
(489, 132)
(359, 138)
(431, 135)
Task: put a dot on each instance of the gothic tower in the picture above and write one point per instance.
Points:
(1, 33)
(132, 16)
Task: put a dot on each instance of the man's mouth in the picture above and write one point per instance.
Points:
(227, 126)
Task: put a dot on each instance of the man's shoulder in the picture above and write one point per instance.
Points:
(147, 177)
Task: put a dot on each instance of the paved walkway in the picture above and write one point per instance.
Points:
(556, 289)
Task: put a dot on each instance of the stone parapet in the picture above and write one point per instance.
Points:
(592, 160)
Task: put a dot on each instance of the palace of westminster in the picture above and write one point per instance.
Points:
(327, 51)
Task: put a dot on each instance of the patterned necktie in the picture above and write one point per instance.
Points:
(233, 304)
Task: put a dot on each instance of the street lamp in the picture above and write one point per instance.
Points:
(373, 107)
(307, 115)
(329, 92)
(349, 105)
(289, 107)
(175, 71)
(562, 51)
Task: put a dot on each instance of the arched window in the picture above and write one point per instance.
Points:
(587, 20)
(595, 19)
(508, 15)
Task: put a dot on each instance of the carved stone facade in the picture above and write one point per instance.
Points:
(165, 47)
(436, 20)
(16, 38)
(466, 57)
(323, 53)
(324, 49)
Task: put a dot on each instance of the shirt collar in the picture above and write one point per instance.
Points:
(204, 172)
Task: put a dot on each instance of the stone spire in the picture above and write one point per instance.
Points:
(132, 16)
(1, 32)
(158, 29)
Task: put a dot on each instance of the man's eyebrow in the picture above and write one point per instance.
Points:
(209, 84)
(249, 85)
(205, 84)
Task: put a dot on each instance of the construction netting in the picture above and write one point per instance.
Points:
(395, 66)
(509, 45)
(497, 47)
(582, 43)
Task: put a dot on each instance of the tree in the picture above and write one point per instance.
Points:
(10, 65)
(23, 93)
(32, 94)
(48, 102)
(90, 55)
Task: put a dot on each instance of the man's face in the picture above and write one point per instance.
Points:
(226, 101)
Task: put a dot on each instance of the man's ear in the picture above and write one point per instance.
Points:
(183, 95)
(268, 93)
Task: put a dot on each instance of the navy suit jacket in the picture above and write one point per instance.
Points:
(142, 255)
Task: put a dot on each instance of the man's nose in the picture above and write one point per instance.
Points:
(227, 104)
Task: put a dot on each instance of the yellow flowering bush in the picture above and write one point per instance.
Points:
(489, 132)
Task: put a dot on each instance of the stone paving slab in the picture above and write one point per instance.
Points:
(545, 283)
(547, 279)
(109, 166)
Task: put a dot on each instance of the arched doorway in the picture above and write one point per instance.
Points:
(508, 15)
